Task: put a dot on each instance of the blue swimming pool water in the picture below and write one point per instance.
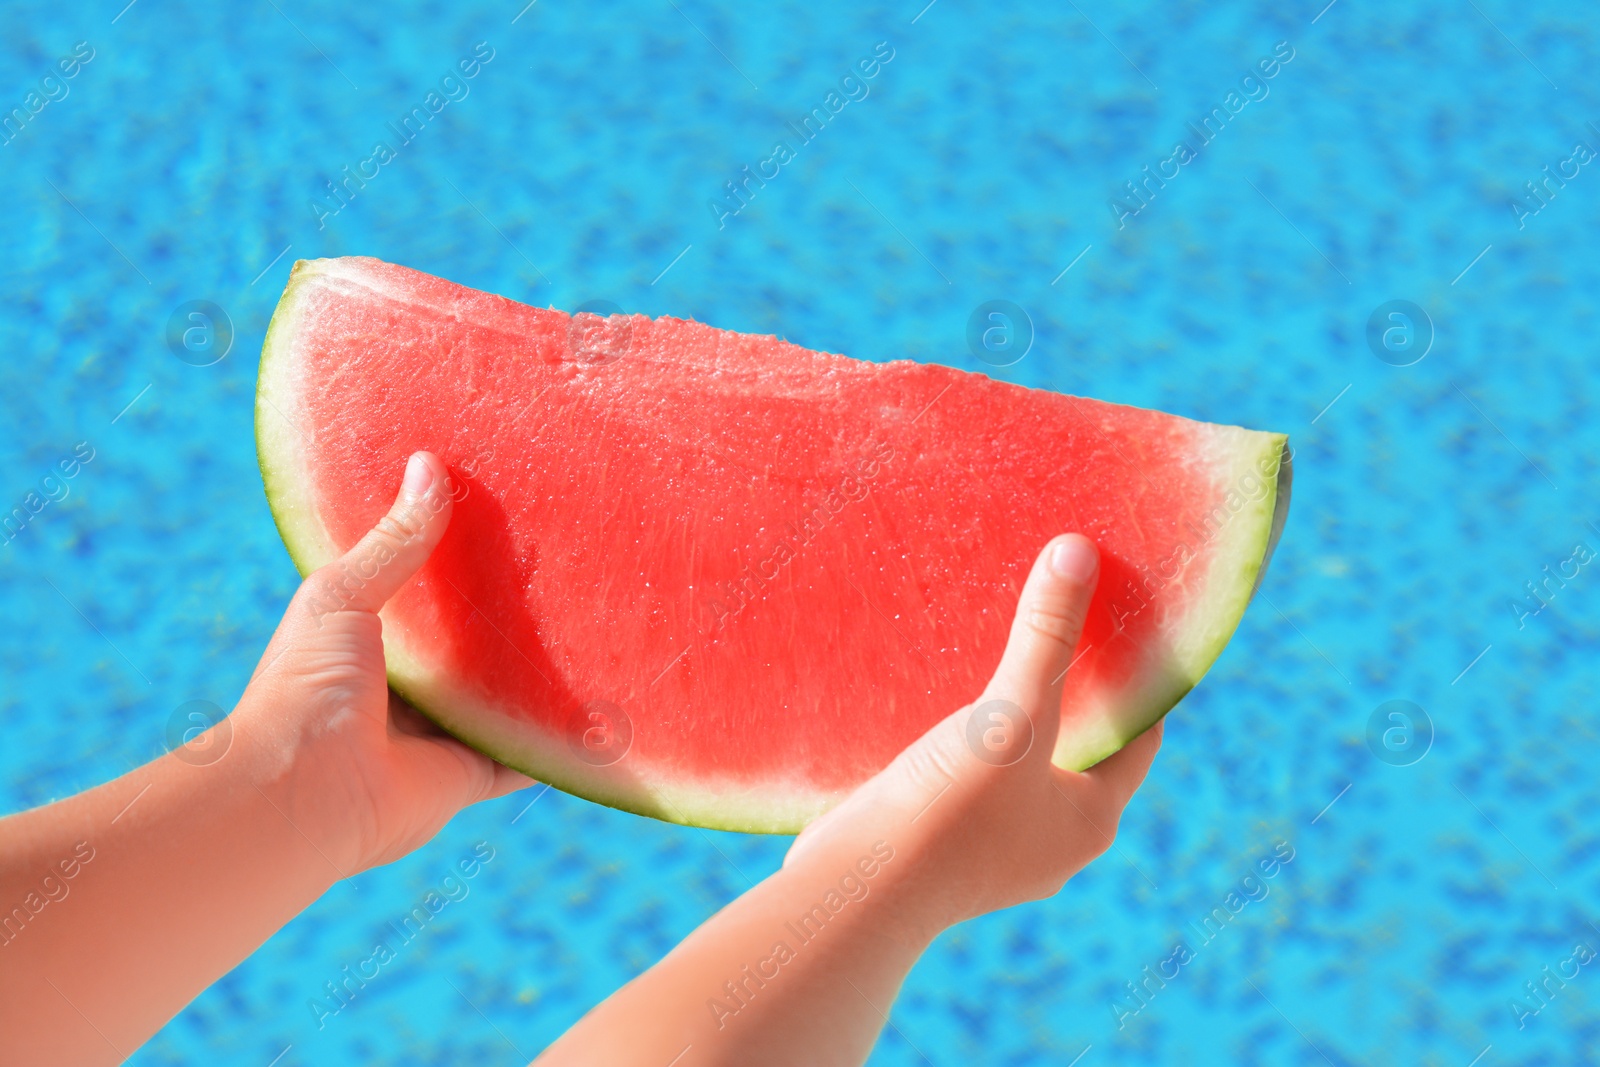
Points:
(1379, 163)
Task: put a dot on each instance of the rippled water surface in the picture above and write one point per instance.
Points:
(188, 160)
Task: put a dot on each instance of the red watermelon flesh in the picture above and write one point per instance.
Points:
(721, 579)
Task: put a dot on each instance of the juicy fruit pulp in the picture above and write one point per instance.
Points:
(721, 579)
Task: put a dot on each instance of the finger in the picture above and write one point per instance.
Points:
(463, 774)
(1045, 631)
(407, 720)
(489, 778)
(1123, 772)
(365, 577)
(508, 781)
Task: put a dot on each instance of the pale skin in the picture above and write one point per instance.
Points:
(195, 861)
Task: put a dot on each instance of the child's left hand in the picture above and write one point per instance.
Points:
(180, 868)
(371, 777)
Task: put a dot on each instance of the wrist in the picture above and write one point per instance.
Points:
(880, 878)
(294, 790)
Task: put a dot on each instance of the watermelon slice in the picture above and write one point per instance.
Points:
(720, 579)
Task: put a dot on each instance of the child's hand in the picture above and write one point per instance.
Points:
(971, 818)
(371, 779)
(196, 862)
(981, 817)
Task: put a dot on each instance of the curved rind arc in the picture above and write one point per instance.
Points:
(1242, 549)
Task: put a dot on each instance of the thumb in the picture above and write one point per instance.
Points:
(1045, 632)
(365, 577)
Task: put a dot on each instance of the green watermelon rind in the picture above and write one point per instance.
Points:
(1241, 553)
(1244, 547)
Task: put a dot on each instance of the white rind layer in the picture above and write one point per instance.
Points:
(1251, 469)
(1242, 544)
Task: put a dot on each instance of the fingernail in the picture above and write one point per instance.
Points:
(1074, 559)
(418, 476)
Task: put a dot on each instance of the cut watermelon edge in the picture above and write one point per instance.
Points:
(1238, 564)
(1242, 551)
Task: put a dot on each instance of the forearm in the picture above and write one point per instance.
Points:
(188, 869)
(800, 970)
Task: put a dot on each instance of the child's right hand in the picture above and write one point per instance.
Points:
(793, 972)
(977, 827)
